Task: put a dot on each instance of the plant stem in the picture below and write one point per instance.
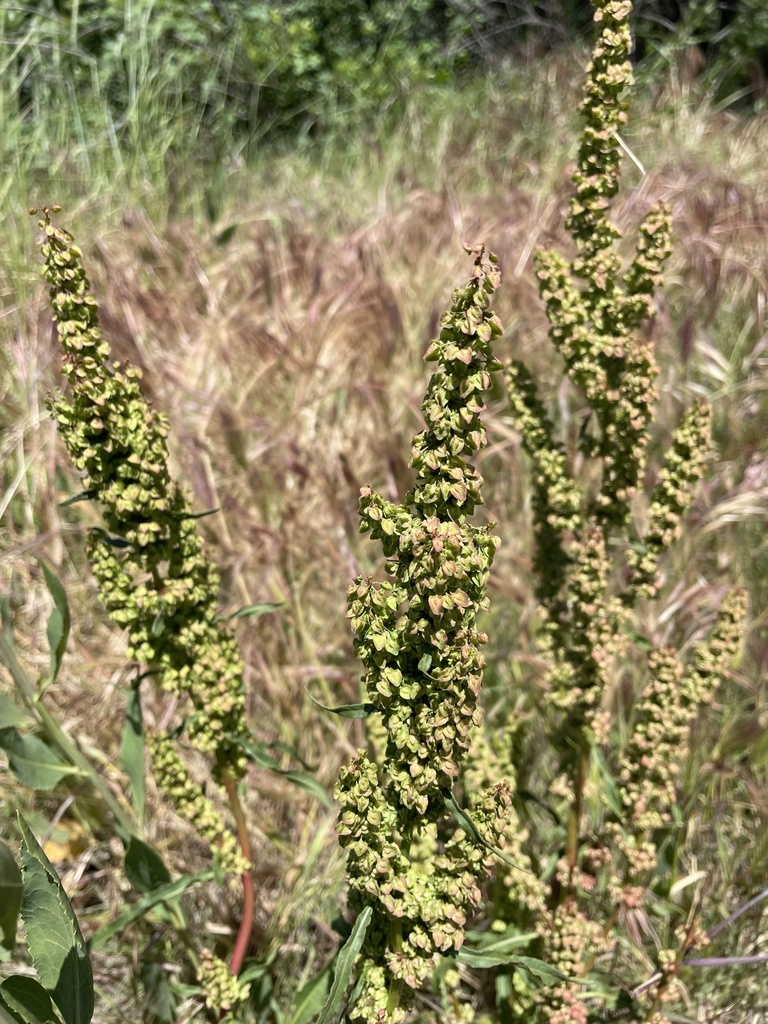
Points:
(574, 820)
(246, 921)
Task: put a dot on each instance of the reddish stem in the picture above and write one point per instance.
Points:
(246, 921)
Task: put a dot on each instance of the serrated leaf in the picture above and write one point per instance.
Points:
(33, 762)
(165, 894)
(251, 611)
(310, 998)
(257, 755)
(343, 970)
(11, 889)
(59, 621)
(55, 941)
(132, 749)
(12, 713)
(27, 1001)
(347, 710)
(144, 867)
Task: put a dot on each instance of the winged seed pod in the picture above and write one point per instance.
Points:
(421, 651)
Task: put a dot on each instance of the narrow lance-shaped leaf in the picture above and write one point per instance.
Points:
(348, 710)
(258, 756)
(132, 749)
(56, 943)
(59, 621)
(343, 972)
(163, 894)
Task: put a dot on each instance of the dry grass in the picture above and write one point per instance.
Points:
(288, 359)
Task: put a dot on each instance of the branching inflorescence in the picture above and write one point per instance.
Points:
(593, 564)
(416, 635)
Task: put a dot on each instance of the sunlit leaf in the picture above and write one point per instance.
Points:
(343, 968)
(33, 762)
(55, 941)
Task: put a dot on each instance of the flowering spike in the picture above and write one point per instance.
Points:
(683, 466)
(152, 574)
(421, 651)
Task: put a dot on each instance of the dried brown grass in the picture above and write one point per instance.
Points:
(288, 361)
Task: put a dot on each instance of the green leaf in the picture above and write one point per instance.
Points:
(343, 972)
(225, 236)
(80, 496)
(144, 867)
(56, 943)
(11, 889)
(465, 822)
(164, 894)
(32, 762)
(291, 751)
(250, 611)
(610, 790)
(12, 713)
(132, 749)
(311, 997)
(194, 515)
(27, 1001)
(347, 710)
(540, 970)
(257, 755)
(59, 621)
(492, 942)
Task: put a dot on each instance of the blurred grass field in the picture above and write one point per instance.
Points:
(279, 307)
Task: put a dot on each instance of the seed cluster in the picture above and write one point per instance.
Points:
(656, 752)
(152, 574)
(671, 499)
(592, 564)
(421, 651)
(594, 326)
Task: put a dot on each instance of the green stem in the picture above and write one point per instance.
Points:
(574, 819)
(396, 984)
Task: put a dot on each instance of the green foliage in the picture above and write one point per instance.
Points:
(342, 974)
(55, 941)
(11, 888)
(599, 552)
(585, 846)
(32, 762)
(241, 68)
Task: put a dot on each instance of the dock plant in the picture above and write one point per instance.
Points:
(417, 636)
(156, 582)
(600, 540)
(547, 844)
